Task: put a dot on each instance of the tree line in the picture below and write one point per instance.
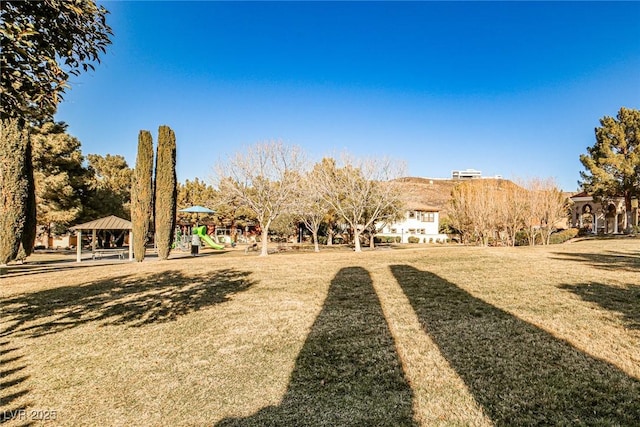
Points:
(269, 184)
(273, 180)
(488, 211)
(43, 179)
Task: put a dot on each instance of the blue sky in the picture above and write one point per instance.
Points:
(508, 88)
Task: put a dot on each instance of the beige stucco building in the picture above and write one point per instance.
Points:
(606, 217)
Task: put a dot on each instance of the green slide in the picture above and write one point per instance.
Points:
(202, 233)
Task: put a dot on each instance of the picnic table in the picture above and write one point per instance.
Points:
(119, 252)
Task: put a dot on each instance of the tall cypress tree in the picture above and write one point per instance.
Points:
(165, 191)
(14, 187)
(142, 194)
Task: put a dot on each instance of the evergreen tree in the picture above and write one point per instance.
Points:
(142, 194)
(43, 42)
(61, 180)
(14, 187)
(110, 186)
(613, 163)
(165, 191)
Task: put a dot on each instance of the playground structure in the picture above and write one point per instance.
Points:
(223, 236)
(202, 233)
(183, 241)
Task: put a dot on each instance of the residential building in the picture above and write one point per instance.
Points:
(605, 217)
(420, 221)
(466, 174)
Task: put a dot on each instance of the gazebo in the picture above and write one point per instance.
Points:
(108, 223)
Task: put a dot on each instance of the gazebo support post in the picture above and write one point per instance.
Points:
(79, 247)
(130, 245)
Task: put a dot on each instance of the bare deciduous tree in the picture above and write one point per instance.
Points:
(311, 208)
(362, 192)
(264, 178)
(512, 205)
(474, 210)
(484, 209)
(548, 208)
(461, 211)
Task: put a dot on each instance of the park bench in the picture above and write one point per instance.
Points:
(99, 253)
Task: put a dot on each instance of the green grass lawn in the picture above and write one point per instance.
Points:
(431, 335)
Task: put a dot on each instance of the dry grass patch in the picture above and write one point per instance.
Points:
(431, 336)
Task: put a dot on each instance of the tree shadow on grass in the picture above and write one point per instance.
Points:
(348, 371)
(520, 374)
(622, 300)
(610, 260)
(125, 300)
(12, 376)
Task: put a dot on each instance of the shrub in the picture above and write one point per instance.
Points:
(585, 231)
(386, 239)
(522, 239)
(381, 239)
(413, 239)
(563, 236)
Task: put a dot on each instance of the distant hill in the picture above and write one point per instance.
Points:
(425, 193)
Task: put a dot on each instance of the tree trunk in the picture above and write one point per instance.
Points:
(330, 237)
(316, 247)
(265, 238)
(356, 238)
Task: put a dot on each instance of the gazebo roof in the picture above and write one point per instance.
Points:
(581, 194)
(111, 222)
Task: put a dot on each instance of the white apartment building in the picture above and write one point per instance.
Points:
(421, 222)
(466, 174)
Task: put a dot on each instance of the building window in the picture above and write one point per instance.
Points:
(422, 231)
(412, 231)
(394, 230)
(428, 217)
(412, 214)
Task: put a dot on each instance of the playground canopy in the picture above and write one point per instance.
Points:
(111, 222)
(197, 209)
